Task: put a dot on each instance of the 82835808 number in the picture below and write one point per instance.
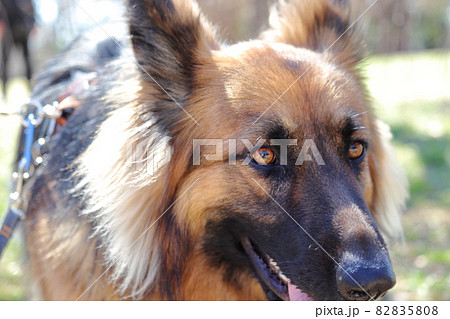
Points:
(407, 310)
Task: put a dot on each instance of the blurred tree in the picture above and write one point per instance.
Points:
(389, 25)
(433, 23)
(238, 20)
(404, 25)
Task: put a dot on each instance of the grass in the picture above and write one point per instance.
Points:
(412, 94)
(12, 282)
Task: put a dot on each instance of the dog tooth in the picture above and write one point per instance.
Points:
(283, 276)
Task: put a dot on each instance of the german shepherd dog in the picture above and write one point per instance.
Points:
(238, 219)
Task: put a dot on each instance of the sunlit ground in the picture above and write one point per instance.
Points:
(412, 94)
(12, 283)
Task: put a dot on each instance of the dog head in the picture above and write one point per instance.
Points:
(300, 180)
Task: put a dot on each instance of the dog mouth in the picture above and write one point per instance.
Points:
(269, 272)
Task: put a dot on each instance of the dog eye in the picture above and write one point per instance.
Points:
(264, 156)
(356, 150)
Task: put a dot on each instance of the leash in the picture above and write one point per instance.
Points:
(40, 123)
(33, 115)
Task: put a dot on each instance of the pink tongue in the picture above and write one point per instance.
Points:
(296, 294)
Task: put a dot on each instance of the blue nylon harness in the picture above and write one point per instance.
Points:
(33, 114)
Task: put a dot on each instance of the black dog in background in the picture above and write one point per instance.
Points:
(16, 23)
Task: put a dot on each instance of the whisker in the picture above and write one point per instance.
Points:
(358, 114)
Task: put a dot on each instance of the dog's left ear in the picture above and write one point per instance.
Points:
(170, 40)
(390, 184)
(319, 25)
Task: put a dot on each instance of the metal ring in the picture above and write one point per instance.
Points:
(39, 113)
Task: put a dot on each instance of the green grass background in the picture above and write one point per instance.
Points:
(412, 94)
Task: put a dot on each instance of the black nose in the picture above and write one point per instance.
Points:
(361, 280)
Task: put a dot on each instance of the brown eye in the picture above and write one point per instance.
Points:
(355, 150)
(264, 156)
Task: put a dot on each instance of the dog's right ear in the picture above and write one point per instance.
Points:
(170, 39)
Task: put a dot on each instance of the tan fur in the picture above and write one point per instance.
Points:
(203, 282)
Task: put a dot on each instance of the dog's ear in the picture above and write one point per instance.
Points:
(320, 25)
(390, 184)
(170, 39)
